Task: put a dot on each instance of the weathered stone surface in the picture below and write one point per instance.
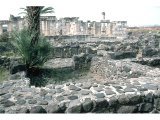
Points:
(157, 103)
(72, 97)
(157, 94)
(128, 90)
(59, 90)
(120, 91)
(7, 103)
(20, 101)
(28, 97)
(134, 99)
(122, 99)
(66, 93)
(78, 84)
(3, 92)
(86, 86)
(109, 92)
(37, 109)
(100, 105)
(74, 107)
(73, 87)
(23, 110)
(59, 98)
(43, 102)
(59, 86)
(136, 83)
(52, 91)
(2, 110)
(74, 92)
(63, 106)
(43, 92)
(98, 89)
(11, 111)
(146, 107)
(53, 108)
(50, 86)
(15, 76)
(67, 84)
(139, 88)
(102, 86)
(128, 109)
(130, 86)
(32, 101)
(102, 47)
(150, 86)
(117, 87)
(84, 92)
(149, 98)
(100, 95)
(7, 85)
(113, 102)
(87, 105)
(95, 85)
(154, 111)
(48, 97)
(6, 96)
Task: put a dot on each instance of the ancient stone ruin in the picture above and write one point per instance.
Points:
(123, 70)
(69, 26)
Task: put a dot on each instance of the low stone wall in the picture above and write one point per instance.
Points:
(70, 51)
(4, 61)
(82, 61)
(133, 96)
(122, 55)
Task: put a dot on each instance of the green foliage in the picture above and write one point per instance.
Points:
(3, 74)
(33, 55)
(44, 10)
(4, 37)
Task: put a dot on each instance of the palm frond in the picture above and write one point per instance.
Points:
(47, 10)
(35, 55)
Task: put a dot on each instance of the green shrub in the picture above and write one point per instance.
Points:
(4, 37)
(4, 73)
(35, 55)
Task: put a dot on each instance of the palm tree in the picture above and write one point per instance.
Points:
(33, 20)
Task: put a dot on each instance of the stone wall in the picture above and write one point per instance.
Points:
(7, 62)
(70, 51)
(132, 96)
(4, 61)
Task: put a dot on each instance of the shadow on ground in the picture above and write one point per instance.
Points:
(56, 76)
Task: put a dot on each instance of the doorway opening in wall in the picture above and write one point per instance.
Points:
(4, 28)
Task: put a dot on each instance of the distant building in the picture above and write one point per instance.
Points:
(51, 26)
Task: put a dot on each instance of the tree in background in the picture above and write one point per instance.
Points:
(33, 47)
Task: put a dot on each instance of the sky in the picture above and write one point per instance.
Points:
(135, 12)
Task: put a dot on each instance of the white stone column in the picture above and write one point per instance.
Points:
(10, 28)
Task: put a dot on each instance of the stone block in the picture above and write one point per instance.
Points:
(128, 109)
(87, 105)
(53, 108)
(146, 107)
(37, 109)
(75, 106)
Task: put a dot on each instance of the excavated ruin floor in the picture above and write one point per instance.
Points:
(16, 96)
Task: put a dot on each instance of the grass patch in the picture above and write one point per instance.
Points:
(4, 73)
(57, 76)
